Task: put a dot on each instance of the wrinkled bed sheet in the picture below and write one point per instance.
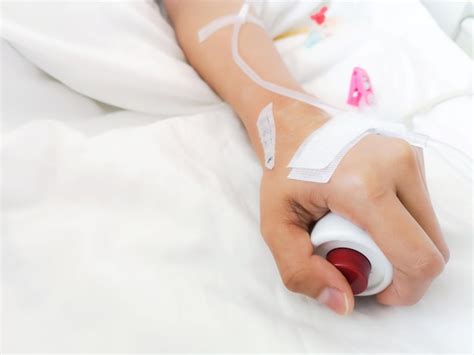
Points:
(130, 193)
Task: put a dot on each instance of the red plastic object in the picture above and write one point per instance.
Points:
(319, 17)
(353, 265)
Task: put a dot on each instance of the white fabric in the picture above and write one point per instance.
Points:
(47, 98)
(122, 53)
(146, 238)
(320, 154)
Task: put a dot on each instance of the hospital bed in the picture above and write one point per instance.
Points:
(130, 193)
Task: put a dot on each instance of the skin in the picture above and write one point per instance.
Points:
(379, 184)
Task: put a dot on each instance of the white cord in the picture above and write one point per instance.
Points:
(435, 144)
(277, 89)
(243, 17)
(206, 31)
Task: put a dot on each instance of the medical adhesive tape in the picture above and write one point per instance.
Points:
(319, 155)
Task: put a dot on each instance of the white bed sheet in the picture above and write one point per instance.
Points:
(124, 232)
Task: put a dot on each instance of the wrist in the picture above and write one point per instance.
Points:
(294, 122)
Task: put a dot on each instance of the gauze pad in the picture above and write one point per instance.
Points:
(320, 154)
(266, 132)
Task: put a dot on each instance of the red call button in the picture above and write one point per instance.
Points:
(353, 265)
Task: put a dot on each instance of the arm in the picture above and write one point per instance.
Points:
(213, 60)
(379, 185)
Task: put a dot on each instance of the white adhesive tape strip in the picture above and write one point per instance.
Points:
(323, 175)
(320, 154)
(266, 131)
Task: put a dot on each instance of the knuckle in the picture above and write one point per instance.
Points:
(410, 300)
(429, 266)
(403, 295)
(362, 187)
(405, 154)
(353, 184)
(295, 278)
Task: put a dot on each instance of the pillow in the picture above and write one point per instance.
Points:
(121, 53)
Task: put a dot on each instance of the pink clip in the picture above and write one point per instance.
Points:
(360, 88)
(319, 17)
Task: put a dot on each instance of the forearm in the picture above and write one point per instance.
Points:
(213, 60)
(375, 186)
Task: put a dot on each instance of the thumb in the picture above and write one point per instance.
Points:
(305, 273)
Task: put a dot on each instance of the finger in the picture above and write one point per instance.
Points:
(305, 273)
(413, 194)
(415, 258)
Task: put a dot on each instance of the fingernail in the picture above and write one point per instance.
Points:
(335, 300)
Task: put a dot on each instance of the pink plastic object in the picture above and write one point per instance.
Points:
(360, 88)
(320, 17)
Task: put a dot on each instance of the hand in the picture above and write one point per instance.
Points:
(379, 186)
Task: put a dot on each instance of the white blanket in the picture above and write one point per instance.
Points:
(124, 232)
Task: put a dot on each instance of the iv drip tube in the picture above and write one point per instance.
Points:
(277, 89)
(243, 17)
